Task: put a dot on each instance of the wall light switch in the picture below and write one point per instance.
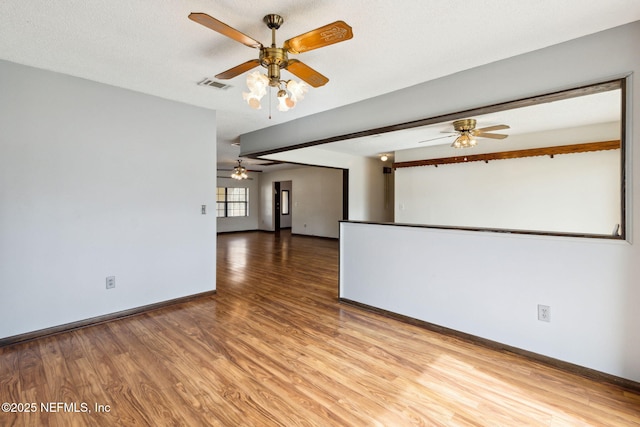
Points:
(204, 209)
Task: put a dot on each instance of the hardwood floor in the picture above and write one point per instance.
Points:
(274, 347)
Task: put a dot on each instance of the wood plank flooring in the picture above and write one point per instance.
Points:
(273, 347)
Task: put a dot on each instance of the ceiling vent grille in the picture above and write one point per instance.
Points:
(212, 83)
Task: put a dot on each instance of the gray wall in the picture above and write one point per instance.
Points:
(316, 201)
(367, 183)
(316, 205)
(99, 181)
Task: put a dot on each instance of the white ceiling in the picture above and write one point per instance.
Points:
(152, 47)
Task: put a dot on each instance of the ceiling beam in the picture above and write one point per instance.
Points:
(516, 154)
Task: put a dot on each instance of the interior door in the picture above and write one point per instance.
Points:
(276, 206)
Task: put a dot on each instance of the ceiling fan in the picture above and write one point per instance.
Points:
(276, 58)
(467, 133)
(238, 172)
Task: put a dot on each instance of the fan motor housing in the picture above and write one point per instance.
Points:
(273, 59)
(273, 55)
(464, 125)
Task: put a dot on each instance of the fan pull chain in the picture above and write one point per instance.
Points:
(270, 103)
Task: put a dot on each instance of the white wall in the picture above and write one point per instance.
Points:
(368, 191)
(577, 193)
(245, 222)
(317, 200)
(366, 181)
(489, 285)
(592, 286)
(98, 181)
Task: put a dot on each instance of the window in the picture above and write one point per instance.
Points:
(232, 201)
(285, 202)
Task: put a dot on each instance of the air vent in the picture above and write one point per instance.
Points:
(213, 83)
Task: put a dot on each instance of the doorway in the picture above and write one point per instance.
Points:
(283, 205)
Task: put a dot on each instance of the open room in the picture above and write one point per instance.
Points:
(319, 214)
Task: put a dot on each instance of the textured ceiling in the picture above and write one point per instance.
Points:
(150, 46)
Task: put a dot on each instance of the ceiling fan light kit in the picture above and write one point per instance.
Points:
(466, 138)
(464, 141)
(274, 59)
(239, 172)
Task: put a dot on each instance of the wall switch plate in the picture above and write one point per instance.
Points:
(544, 313)
(111, 282)
(203, 209)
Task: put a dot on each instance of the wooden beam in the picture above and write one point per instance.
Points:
(516, 154)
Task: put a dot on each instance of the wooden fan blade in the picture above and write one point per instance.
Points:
(491, 128)
(238, 69)
(224, 29)
(324, 36)
(490, 135)
(306, 73)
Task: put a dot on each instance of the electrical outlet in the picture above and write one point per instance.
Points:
(203, 209)
(544, 313)
(111, 282)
